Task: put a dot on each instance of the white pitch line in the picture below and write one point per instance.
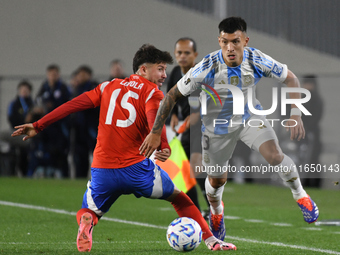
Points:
(41, 208)
(282, 245)
(69, 243)
(134, 223)
(281, 224)
(313, 229)
(166, 208)
(228, 217)
(254, 220)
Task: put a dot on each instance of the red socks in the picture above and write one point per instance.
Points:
(84, 210)
(186, 208)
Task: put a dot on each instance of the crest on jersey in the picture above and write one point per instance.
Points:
(248, 80)
(234, 80)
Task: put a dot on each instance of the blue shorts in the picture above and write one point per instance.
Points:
(144, 179)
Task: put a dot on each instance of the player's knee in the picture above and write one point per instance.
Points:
(218, 182)
(173, 195)
(275, 158)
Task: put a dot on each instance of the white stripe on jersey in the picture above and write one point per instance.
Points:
(102, 87)
(150, 95)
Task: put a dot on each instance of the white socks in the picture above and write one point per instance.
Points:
(290, 176)
(214, 197)
(210, 241)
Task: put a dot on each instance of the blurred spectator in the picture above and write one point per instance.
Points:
(53, 93)
(73, 81)
(39, 158)
(84, 124)
(312, 143)
(117, 69)
(17, 113)
(21, 105)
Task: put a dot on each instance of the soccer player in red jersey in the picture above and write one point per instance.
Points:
(128, 108)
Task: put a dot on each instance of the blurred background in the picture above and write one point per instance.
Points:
(76, 44)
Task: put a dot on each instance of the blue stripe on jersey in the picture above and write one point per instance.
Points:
(225, 114)
(203, 128)
(234, 72)
(262, 62)
(199, 68)
(257, 59)
(209, 79)
(220, 57)
(258, 74)
(205, 65)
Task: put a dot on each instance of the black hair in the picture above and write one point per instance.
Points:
(53, 67)
(116, 61)
(150, 54)
(232, 24)
(85, 68)
(26, 84)
(194, 45)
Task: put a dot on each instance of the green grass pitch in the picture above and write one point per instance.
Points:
(38, 217)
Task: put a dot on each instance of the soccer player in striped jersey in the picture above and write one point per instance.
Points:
(242, 67)
(128, 109)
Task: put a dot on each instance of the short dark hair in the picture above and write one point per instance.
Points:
(53, 67)
(85, 68)
(25, 83)
(150, 54)
(194, 45)
(116, 61)
(232, 24)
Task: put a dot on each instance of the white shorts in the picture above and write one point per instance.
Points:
(218, 149)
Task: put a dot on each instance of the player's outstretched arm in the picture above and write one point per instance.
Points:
(79, 103)
(296, 131)
(26, 129)
(153, 140)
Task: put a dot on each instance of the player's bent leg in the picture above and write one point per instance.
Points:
(287, 170)
(87, 219)
(214, 189)
(101, 192)
(186, 208)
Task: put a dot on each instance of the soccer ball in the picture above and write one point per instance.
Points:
(184, 234)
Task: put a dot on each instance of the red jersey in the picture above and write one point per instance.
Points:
(127, 112)
(123, 125)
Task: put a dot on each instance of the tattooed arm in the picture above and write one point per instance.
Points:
(153, 140)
